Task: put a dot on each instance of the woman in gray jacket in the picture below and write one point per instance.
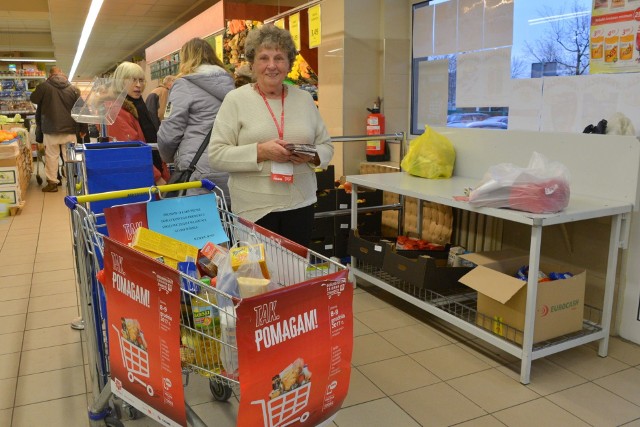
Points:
(193, 104)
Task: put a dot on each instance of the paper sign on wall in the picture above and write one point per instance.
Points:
(314, 26)
(294, 29)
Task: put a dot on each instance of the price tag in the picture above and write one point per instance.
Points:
(314, 26)
(294, 29)
(282, 172)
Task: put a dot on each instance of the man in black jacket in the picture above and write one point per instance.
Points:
(55, 98)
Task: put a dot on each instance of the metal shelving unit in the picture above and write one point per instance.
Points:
(459, 308)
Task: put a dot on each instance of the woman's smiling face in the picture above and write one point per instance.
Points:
(270, 67)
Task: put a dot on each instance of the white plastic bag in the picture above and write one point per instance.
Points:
(541, 187)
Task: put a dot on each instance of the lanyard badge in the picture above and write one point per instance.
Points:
(280, 172)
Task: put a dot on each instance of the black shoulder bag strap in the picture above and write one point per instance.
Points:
(192, 165)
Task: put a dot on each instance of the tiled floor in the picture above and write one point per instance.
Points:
(409, 370)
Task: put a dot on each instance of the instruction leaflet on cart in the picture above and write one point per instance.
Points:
(294, 352)
(143, 312)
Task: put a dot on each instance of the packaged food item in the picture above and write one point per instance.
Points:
(611, 47)
(241, 255)
(201, 350)
(210, 257)
(597, 44)
(627, 38)
(250, 286)
(151, 241)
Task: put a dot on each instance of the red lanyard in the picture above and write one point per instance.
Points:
(273, 116)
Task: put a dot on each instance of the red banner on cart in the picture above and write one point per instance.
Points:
(294, 352)
(123, 221)
(143, 322)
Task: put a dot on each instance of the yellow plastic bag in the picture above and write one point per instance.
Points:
(431, 155)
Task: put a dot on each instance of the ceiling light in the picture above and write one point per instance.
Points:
(86, 32)
(20, 59)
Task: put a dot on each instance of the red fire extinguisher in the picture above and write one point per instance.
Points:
(377, 150)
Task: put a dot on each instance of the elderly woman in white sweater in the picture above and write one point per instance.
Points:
(269, 183)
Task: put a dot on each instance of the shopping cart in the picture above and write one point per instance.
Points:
(279, 412)
(136, 360)
(210, 352)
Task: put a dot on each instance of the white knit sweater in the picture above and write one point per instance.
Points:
(244, 121)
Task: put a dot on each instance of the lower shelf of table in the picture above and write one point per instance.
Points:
(458, 306)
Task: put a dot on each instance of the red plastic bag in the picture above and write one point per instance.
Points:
(542, 187)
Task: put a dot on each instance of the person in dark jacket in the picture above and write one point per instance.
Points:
(157, 100)
(55, 98)
(193, 104)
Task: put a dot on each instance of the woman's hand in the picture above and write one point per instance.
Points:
(273, 150)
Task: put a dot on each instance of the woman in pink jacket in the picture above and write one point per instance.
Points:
(133, 122)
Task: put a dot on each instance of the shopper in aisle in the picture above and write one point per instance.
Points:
(270, 184)
(157, 100)
(55, 98)
(194, 101)
(133, 122)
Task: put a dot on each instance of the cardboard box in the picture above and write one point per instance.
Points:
(326, 201)
(323, 246)
(502, 297)
(9, 175)
(369, 224)
(322, 227)
(424, 271)
(366, 198)
(367, 250)
(326, 179)
(10, 194)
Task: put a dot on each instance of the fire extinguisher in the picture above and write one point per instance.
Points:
(377, 151)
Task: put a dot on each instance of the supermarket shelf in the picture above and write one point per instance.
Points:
(458, 306)
(23, 77)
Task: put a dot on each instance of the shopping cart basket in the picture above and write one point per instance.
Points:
(210, 352)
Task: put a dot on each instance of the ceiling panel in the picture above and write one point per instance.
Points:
(123, 29)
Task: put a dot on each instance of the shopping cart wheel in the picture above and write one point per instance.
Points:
(221, 392)
(131, 412)
(113, 422)
(39, 179)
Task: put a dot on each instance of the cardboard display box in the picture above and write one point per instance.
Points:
(502, 297)
(367, 251)
(369, 224)
(366, 198)
(323, 246)
(326, 201)
(9, 175)
(326, 179)
(427, 270)
(10, 194)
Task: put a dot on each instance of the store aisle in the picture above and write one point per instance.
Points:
(408, 370)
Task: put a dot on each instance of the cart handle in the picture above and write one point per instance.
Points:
(72, 201)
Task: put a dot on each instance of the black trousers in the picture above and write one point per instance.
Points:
(295, 224)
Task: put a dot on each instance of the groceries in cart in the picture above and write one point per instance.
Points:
(292, 377)
(132, 332)
(163, 248)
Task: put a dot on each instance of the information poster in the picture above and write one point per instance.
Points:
(615, 36)
(294, 29)
(314, 26)
(143, 312)
(294, 350)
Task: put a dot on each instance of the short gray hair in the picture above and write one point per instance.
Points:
(269, 36)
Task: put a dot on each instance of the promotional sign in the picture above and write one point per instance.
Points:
(615, 36)
(279, 23)
(123, 221)
(219, 47)
(194, 220)
(294, 29)
(314, 26)
(294, 352)
(143, 322)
